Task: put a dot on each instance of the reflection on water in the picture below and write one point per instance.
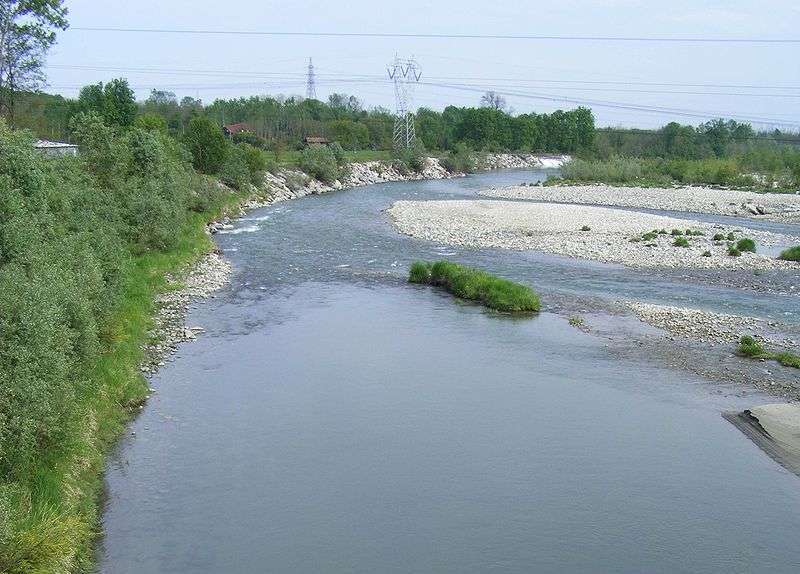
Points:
(335, 419)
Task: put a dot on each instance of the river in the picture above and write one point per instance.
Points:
(335, 419)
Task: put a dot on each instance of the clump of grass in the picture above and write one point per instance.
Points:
(468, 283)
(576, 321)
(746, 244)
(586, 228)
(791, 254)
(676, 232)
(695, 233)
(731, 236)
(749, 347)
(733, 251)
(681, 242)
(718, 237)
(650, 235)
(706, 253)
(662, 232)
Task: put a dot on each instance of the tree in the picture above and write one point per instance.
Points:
(27, 30)
(114, 102)
(207, 144)
(494, 101)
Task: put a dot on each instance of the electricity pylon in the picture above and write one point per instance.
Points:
(405, 74)
(311, 86)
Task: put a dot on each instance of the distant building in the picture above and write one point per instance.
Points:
(55, 149)
(233, 129)
(315, 141)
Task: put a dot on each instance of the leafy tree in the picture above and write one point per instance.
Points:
(114, 102)
(27, 31)
(350, 135)
(207, 144)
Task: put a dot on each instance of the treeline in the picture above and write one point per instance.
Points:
(279, 123)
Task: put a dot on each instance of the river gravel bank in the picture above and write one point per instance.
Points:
(688, 199)
(613, 235)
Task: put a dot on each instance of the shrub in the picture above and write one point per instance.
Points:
(706, 253)
(681, 242)
(649, 236)
(731, 236)
(746, 244)
(586, 228)
(788, 359)
(410, 159)
(733, 252)
(207, 144)
(459, 160)
(718, 237)
(320, 163)
(676, 232)
(256, 161)
(467, 283)
(791, 254)
(749, 347)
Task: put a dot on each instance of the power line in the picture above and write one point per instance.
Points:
(538, 37)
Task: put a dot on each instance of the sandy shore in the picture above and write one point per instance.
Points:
(556, 229)
(775, 428)
(689, 199)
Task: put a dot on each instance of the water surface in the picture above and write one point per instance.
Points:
(334, 419)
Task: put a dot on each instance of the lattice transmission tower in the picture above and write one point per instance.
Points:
(311, 85)
(405, 74)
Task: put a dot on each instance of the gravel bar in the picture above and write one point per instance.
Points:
(614, 235)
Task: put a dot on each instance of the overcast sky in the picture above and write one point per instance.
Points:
(213, 66)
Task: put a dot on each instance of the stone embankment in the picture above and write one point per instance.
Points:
(686, 199)
(587, 232)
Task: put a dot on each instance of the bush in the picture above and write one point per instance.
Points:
(467, 283)
(718, 237)
(586, 228)
(746, 244)
(410, 159)
(207, 144)
(320, 163)
(706, 253)
(749, 347)
(733, 252)
(680, 242)
(235, 171)
(256, 161)
(459, 160)
(676, 232)
(791, 254)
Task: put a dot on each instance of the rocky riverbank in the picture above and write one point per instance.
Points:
(587, 232)
(688, 199)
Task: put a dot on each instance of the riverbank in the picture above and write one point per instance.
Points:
(687, 199)
(587, 232)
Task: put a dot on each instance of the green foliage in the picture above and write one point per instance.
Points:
(320, 163)
(706, 253)
(151, 122)
(749, 347)
(733, 251)
(459, 160)
(586, 228)
(791, 254)
(82, 243)
(207, 144)
(475, 285)
(731, 236)
(649, 236)
(746, 244)
(681, 242)
(718, 237)
(235, 171)
(676, 232)
(408, 160)
(114, 102)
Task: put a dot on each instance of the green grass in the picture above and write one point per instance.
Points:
(791, 254)
(733, 251)
(475, 285)
(53, 520)
(749, 347)
(746, 244)
(681, 242)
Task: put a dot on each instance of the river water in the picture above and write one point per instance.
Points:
(335, 419)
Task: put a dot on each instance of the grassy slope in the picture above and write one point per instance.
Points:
(55, 523)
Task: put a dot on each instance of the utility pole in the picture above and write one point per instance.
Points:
(311, 87)
(405, 74)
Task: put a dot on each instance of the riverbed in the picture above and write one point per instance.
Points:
(333, 418)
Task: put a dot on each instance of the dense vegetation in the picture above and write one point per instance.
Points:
(84, 244)
(280, 124)
(475, 285)
(714, 153)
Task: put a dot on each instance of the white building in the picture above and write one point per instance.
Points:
(53, 149)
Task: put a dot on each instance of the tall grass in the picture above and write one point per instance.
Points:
(475, 285)
(791, 254)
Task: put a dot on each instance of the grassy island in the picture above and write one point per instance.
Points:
(468, 283)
